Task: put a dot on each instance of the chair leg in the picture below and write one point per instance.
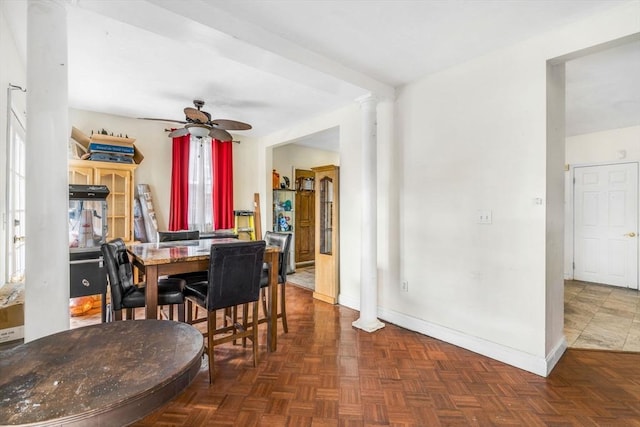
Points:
(245, 322)
(263, 297)
(189, 310)
(254, 328)
(283, 309)
(181, 317)
(231, 313)
(211, 331)
(131, 314)
(170, 311)
(117, 315)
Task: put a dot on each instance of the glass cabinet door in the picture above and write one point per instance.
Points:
(327, 242)
(80, 175)
(119, 183)
(326, 215)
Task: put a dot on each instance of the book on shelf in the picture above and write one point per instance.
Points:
(95, 147)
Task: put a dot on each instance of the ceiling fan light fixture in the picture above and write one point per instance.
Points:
(199, 131)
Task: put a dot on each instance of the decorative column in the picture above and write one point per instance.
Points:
(369, 248)
(48, 130)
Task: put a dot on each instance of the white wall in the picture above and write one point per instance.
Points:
(245, 172)
(474, 137)
(290, 156)
(613, 145)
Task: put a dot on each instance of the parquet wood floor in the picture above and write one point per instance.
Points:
(327, 373)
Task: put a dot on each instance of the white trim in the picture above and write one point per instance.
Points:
(349, 302)
(541, 366)
(553, 357)
(526, 361)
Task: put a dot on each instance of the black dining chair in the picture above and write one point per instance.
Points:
(174, 236)
(283, 241)
(234, 280)
(127, 295)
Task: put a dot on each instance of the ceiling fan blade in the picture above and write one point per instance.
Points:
(162, 120)
(220, 134)
(179, 132)
(196, 116)
(230, 124)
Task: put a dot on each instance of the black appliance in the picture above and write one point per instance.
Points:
(87, 231)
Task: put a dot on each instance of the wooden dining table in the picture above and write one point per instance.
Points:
(165, 258)
(107, 374)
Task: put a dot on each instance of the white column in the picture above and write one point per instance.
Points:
(48, 130)
(368, 260)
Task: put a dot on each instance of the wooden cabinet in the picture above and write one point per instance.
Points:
(327, 236)
(119, 178)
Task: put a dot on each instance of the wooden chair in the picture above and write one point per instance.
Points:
(125, 294)
(234, 279)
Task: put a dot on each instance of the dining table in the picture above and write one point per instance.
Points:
(107, 374)
(159, 259)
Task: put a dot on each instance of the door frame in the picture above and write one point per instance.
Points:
(569, 234)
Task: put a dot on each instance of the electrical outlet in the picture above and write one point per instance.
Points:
(405, 286)
(484, 216)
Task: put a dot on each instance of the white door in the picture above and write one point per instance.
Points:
(606, 224)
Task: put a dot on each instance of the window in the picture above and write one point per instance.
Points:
(200, 213)
(201, 184)
(15, 200)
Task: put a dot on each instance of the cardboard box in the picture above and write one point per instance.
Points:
(11, 312)
(84, 141)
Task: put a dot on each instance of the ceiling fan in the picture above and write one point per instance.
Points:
(199, 124)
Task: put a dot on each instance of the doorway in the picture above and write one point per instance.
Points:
(601, 260)
(296, 157)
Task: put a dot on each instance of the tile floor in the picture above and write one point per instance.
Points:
(303, 276)
(601, 317)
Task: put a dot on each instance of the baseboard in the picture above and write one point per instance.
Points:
(352, 303)
(519, 359)
(555, 354)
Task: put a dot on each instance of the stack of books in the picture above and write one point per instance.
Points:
(111, 148)
(99, 143)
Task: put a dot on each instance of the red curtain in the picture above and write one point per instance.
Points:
(179, 207)
(222, 161)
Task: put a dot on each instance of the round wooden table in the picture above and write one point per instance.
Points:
(106, 374)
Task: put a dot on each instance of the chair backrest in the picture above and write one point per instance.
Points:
(171, 236)
(283, 241)
(119, 271)
(234, 273)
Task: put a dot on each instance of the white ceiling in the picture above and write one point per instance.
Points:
(274, 63)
